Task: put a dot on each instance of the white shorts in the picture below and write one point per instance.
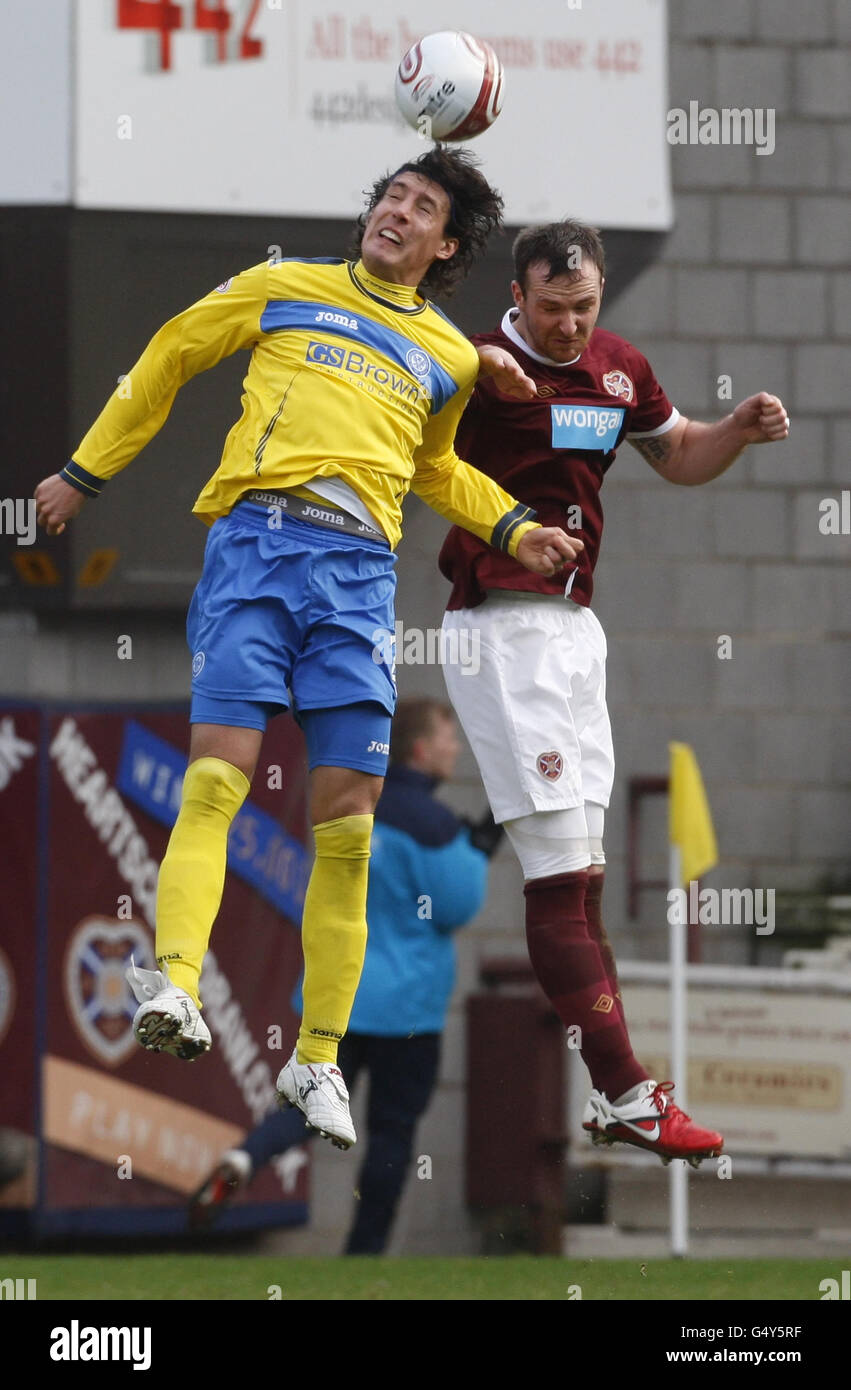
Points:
(533, 703)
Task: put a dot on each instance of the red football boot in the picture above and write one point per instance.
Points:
(652, 1122)
(232, 1172)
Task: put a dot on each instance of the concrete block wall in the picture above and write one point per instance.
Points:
(753, 284)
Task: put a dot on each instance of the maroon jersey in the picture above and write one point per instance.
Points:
(552, 453)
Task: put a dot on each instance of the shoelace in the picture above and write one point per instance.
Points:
(664, 1102)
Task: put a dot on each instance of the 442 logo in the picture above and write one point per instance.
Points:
(228, 27)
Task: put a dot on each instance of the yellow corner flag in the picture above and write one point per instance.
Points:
(689, 817)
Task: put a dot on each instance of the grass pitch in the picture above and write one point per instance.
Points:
(218, 1276)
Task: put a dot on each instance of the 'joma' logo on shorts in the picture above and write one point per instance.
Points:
(375, 747)
(317, 514)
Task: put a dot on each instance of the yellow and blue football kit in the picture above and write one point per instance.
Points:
(350, 378)
(354, 388)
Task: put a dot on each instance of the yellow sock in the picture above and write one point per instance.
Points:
(192, 874)
(333, 934)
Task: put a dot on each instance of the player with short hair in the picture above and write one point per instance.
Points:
(561, 398)
(353, 392)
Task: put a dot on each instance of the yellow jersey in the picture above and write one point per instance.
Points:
(350, 378)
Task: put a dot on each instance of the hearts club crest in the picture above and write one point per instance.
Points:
(550, 765)
(100, 1002)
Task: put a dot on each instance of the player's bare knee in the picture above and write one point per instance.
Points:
(342, 809)
(237, 746)
(351, 793)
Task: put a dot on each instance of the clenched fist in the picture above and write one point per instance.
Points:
(547, 549)
(762, 418)
(55, 503)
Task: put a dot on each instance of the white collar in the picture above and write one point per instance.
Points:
(510, 331)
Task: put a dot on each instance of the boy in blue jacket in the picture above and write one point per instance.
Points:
(427, 878)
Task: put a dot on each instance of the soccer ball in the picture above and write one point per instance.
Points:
(449, 86)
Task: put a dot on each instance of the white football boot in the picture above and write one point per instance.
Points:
(168, 1019)
(594, 1118)
(318, 1090)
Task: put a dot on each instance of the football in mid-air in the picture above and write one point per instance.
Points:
(449, 86)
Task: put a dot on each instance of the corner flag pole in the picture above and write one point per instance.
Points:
(678, 1173)
(692, 850)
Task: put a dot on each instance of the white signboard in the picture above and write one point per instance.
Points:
(770, 1070)
(35, 102)
(286, 106)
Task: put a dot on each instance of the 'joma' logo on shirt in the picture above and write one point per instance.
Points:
(325, 316)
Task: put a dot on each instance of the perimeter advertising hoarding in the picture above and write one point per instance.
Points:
(123, 1135)
(288, 108)
(19, 907)
(35, 103)
(768, 1068)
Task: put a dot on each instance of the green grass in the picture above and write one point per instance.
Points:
(218, 1276)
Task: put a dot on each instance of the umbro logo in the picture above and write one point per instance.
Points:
(604, 1004)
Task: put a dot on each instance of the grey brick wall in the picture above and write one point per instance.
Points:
(761, 262)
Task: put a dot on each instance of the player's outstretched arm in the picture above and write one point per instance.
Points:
(693, 452)
(505, 372)
(471, 499)
(223, 321)
(55, 503)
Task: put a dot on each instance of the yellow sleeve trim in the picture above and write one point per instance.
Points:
(521, 529)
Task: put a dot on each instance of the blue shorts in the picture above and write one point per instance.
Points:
(290, 614)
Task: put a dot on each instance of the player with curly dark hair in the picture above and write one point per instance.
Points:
(352, 396)
(475, 211)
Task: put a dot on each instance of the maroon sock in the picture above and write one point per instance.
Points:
(571, 972)
(597, 932)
